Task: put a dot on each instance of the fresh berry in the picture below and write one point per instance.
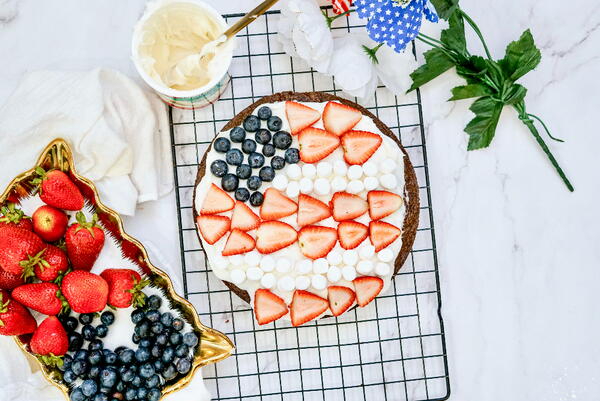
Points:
(300, 116)
(222, 145)
(340, 299)
(276, 205)
(251, 123)
(278, 162)
(248, 146)
(107, 318)
(268, 307)
(268, 150)
(75, 343)
(49, 223)
(177, 324)
(56, 189)
(125, 287)
(266, 174)
(50, 341)
(216, 201)
(46, 265)
(69, 322)
(256, 160)
(13, 216)
(41, 297)
(230, 182)
(311, 210)
(237, 134)
(256, 199)
(282, 140)
(235, 157)
(272, 236)
(243, 171)
(244, 218)
(264, 113)
(263, 136)
(383, 203)
(88, 332)
(242, 194)
(352, 234)
(316, 144)
(84, 242)
(316, 242)
(190, 339)
(15, 319)
(339, 118)
(86, 292)
(382, 234)
(184, 365)
(238, 242)
(101, 330)
(10, 281)
(367, 288)
(17, 244)
(306, 306)
(359, 146)
(292, 156)
(347, 206)
(254, 183)
(86, 318)
(219, 168)
(274, 123)
(89, 387)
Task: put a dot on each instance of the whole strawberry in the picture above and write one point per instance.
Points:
(124, 287)
(15, 319)
(49, 223)
(84, 242)
(10, 281)
(52, 264)
(16, 245)
(85, 292)
(13, 216)
(56, 189)
(41, 297)
(50, 341)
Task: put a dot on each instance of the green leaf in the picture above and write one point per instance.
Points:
(482, 128)
(472, 69)
(469, 91)
(436, 63)
(454, 36)
(445, 8)
(515, 94)
(521, 57)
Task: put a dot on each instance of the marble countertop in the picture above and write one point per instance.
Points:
(519, 255)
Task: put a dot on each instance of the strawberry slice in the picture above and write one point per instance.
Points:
(346, 206)
(311, 210)
(243, 217)
(316, 241)
(359, 146)
(306, 306)
(383, 203)
(276, 205)
(268, 307)
(351, 234)
(382, 234)
(367, 288)
(340, 299)
(212, 227)
(237, 243)
(339, 118)
(316, 144)
(300, 116)
(272, 236)
(216, 201)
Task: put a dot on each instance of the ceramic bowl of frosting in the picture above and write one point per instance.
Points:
(168, 32)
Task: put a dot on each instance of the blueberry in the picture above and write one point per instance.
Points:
(264, 113)
(177, 324)
(158, 365)
(100, 397)
(128, 374)
(175, 338)
(135, 338)
(146, 370)
(251, 124)
(256, 160)
(254, 183)
(219, 168)
(237, 134)
(142, 329)
(131, 394)
(101, 330)
(142, 393)
(184, 365)
(95, 345)
(70, 323)
(241, 194)
(230, 182)
(137, 316)
(75, 342)
(167, 318)
(126, 356)
(153, 394)
(120, 386)
(95, 357)
(142, 354)
(77, 395)
(89, 387)
(169, 373)
(86, 318)
(268, 150)
(79, 367)
(278, 162)
(292, 155)
(110, 357)
(82, 354)
(162, 339)
(94, 372)
(243, 171)
(266, 174)
(153, 381)
(168, 355)
(156, 351)
(89, 332)
(107, 318)
(153, 315)
(146, 343)
(67, 361)
(282, 140)
(234, 157)
(248, 146)
(154, 302)
(182, 350)
(256, 199)
(190, 339)
(263, 136)
(69, 377)
(137, 381)
(274, 123)
(108, 378)
(222, 145)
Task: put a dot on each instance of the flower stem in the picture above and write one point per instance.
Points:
(331, 19)
(422, 35)
(477, 31)
(545, 127)
(372, 52)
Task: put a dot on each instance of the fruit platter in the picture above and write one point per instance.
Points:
(112, 330)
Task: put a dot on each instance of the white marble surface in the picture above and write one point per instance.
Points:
(519, 255)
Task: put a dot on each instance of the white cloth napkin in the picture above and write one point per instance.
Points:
(118, 132)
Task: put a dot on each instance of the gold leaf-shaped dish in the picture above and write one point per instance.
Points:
(213, 347)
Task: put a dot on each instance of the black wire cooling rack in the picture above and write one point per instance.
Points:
(394, 349)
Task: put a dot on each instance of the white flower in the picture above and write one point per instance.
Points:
(394, 69)
(304, 33)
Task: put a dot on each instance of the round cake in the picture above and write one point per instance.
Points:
(306, 205)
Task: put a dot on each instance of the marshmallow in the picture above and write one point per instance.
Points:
(237, 276)
(366, 251)
(252, 258)
(355, 172)
(334, 274)
(388, 181)
(293, 189)
(254, 273)
(267, 264)
(302, 282)
(365, 267)
(371, 183)
(388, 165)
(280, 182)
(309, 171)
(236, 260)
(324, 169)
(319, 282)
(385, 255)
(283, 265)
(355, 187)
(268, 280)
(339, 184)
(322, 186)
(304, 266)
(293, 171)
(382, 269)
(220, 263)
(306, 185)
(340, 168)
(370, 169)
(350, 257)
(286, 283)
(320, 266)
(349, 273)
(334, 258)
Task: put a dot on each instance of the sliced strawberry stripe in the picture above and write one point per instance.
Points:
(306, 306)
(243, 217)
(347, 206)
(316, 241)
(268, 307)
(351, 234)
(340, 299)
(272, 236)
(311, 210)
(316, 144)
(276, 205)
(238, 242)
(300, 116)
(359, 146)
(382, 234)
(366, 289)
(216, 201)
(383, 203)
(213, 228)
(339, 118)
